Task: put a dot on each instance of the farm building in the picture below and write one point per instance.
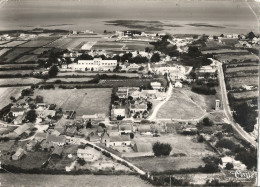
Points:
(56, 140)
(85, 154)
(156, 85)
(105, 139)
(97, 64)
(18, 154)
(40, 136)
(57, 151)
(125, 129)
(119, 141)
(118, 112)
(93, 137)
(30, 145)
(17, 111)
(138, 107)
(20, 130)
(178, 84)
(94, 117)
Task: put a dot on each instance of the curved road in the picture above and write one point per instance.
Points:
(227, 110)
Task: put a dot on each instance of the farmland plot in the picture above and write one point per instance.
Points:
(15, 81)
(27, 58)
(239, 69)
(39, 42)
(92, 74)
(3, 51)
(17, 66)
(12, 43)
(15, 53)
(6, 93)
(22, 72)
(69, 80)
(69, 43)
(84, 101)
(241, 81)
(245, 95)
(40, 51)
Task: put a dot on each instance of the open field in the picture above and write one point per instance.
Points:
(27, 58)
(40, 51)
(223, 51)
(224, 57)
(39, 42)
(17, 66)
(206, 102)
(15, 81)
(244, 68)
(245, 95)
(241, 81)
(84, 101)
(12, 44)
(3, 51)
(88, 74)
(107, 45)
(15, 53)
(69, 43)
(6, 93)
(13, 72)
(69, 79)
(181, 107)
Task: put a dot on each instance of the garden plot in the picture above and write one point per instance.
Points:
(15, 53)
(27, 58)
(12, 43)
(238, 82)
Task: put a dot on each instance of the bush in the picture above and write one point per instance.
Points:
(161, 149)
(203, 90)
(229, 166)
(210, 168)
(207, 122)
(81, 161)
(226, 143)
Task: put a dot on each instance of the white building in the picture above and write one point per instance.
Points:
(97, 64)
(156, 85)
(178, 84)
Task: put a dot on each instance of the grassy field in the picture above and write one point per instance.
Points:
(27, 58)
(70, 79)
(40, 51)
(14, 81)
(6, 93)
(84, 101)
(180, 106)
(10, 66)
(15, 53)
(23, 72)
(239, 69)
(3, 51)
(12, 44)
(230, 57)
(237, 82)
(92, 74)
(245, 95)
(39, 42)
(69, 43)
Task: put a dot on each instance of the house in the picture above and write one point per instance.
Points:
(156, 85)
(46, 113)
(17, 111)
(85, 154)
(69, 114)
(125, 129)
(30, 145)
(119, 141)
(57, 151)
(62, 123)
(93, 137)
(56, 140)
(151, 94)
(97, 64)
(70, 131)
(143, 147)
(21, 129)
(39, 136)
(118, 112)
(19, 120)
(94, 117)
(136, 94)
(133, 67)
(100, 130)
(105, 139)
(138, 107)
(178, 84)
(18, 154)
(142, 129)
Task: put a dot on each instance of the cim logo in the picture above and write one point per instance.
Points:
(244, 174)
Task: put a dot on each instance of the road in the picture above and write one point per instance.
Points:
(227, 110)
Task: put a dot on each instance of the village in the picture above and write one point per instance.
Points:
(103, 105)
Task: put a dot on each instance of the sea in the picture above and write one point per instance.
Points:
(227, 16)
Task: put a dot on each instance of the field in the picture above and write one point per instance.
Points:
(15, 81)
(69, 43)
(15, 53)
(3, 51)
(40, 51)
(92, 74)
(180, 107)
(23, 72)
(230, 57)
(241, 81)
(239, 69)
(224, 51)
(6, 93)
(245, 95)
(27, 58)
(39, 42)
(70, 79)
(12, 44)
(84, 101)
(107, 45)
(10, 66)
(191, 150)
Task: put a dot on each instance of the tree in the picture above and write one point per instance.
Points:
(85, 57)
(105, 31)
(31, 116)
(155, 57)
(193, 51)
(81, 161)
(207, 122)
(250, 35)
(38, 99)
(132, 135)
(102, 125)
(161, 149)
(53, 71)
(147, 50)
(229, 166)
(89, 125)
(210, 168)
(12, 98)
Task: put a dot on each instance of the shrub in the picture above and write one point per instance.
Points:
(229, 166)
(161, 149)
(210, 168)
(226, 143)
(81, 161)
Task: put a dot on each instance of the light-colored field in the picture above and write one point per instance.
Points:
(15, 81)
(84, 101)
(237, 57)
(15, 53)
(181, 107)
(27, 58)
(70, 79)
(69, 43)
(3, 51)
(12, 44)
(245, 95)
(39, 42)
(240, 81)
(6, 93)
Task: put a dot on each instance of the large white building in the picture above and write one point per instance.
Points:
(97, 64)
